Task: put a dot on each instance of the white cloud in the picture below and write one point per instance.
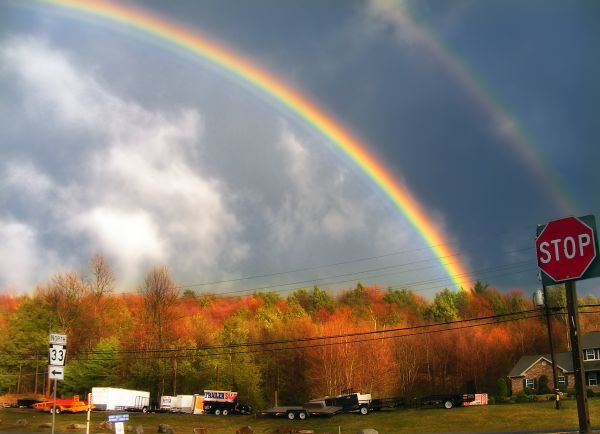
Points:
(27, 178)
(24, 261)
(316, 204)
(133, 238)
(19, 259)
(137, 194)
(395, 13)
(132, 183)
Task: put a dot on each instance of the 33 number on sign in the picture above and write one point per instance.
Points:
(57, 355)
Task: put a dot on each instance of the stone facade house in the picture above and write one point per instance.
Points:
(527, 371)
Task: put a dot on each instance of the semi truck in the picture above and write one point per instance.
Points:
(223, 402)
(112, 398)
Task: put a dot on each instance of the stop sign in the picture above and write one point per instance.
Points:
(565, 249)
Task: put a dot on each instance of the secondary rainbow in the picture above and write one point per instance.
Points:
(401, 17)
(241, 67)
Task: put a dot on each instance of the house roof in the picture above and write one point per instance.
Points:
(590, 340)
(563, 362)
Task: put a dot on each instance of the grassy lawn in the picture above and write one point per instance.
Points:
(457, 420)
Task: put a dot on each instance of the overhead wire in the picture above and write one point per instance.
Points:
(498, 317)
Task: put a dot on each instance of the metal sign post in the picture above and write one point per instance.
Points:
(552, 354)
(89, 411)
(583, 410)
(54, 407)
(56, 370)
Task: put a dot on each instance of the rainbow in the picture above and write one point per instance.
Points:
(242, 68)
(400, 16)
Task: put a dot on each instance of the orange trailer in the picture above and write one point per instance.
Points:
(73, 405)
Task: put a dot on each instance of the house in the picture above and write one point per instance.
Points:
(527, 371)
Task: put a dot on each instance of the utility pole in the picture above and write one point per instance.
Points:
(583, 411)
(552, 354)
(37, 362)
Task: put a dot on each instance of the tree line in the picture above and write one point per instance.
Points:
(169, 341)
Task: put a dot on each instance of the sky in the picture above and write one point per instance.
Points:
(117, 142)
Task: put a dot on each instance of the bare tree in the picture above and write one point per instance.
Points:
(102, 280)
(63, 294)
(160, 294)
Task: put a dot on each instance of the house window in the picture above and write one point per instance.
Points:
(592, 379)
(530, 383)
(589, 355)
(562, 381)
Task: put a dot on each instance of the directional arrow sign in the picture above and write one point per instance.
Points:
(56, 372)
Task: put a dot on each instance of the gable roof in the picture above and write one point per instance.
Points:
(590, 340)
(525, 363)
(564, 361)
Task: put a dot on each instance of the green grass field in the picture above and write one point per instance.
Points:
(491, 418)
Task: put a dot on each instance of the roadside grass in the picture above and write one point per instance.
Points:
(493, 418)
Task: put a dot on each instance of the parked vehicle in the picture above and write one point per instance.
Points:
(72, 405)
(178, 404)
(350, 401)
(223, 402)
(112, 398)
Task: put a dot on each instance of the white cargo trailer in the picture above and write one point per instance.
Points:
(112, 398)
(183, 403)
(166, 402)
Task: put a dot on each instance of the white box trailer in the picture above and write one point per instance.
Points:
(183, 403)
(166, 402)
(112, 398)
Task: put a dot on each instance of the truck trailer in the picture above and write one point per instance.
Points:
(112, 398)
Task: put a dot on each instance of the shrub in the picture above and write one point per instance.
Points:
(491, 400)
(590, 393)
(525, 397)
(528, 391)
(502, 388)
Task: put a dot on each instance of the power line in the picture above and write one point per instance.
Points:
(299, 340)
(323, 281)
(186, 286)
(327, 344)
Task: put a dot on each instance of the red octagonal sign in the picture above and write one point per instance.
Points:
(565, 249)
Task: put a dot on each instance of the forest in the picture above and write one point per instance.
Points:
(311, 342)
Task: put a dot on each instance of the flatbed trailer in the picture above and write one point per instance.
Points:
(363, 404)
(301, 411)
(73, 405)
(440, 400)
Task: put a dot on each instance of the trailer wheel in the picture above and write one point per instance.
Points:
(448, 404)
(302, 415)
(56, 411)
(291, 415)
(145, 410)
(218, 412)
(225, 412)
(364, 410)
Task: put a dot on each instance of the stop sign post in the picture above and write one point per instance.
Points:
(566, 251)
